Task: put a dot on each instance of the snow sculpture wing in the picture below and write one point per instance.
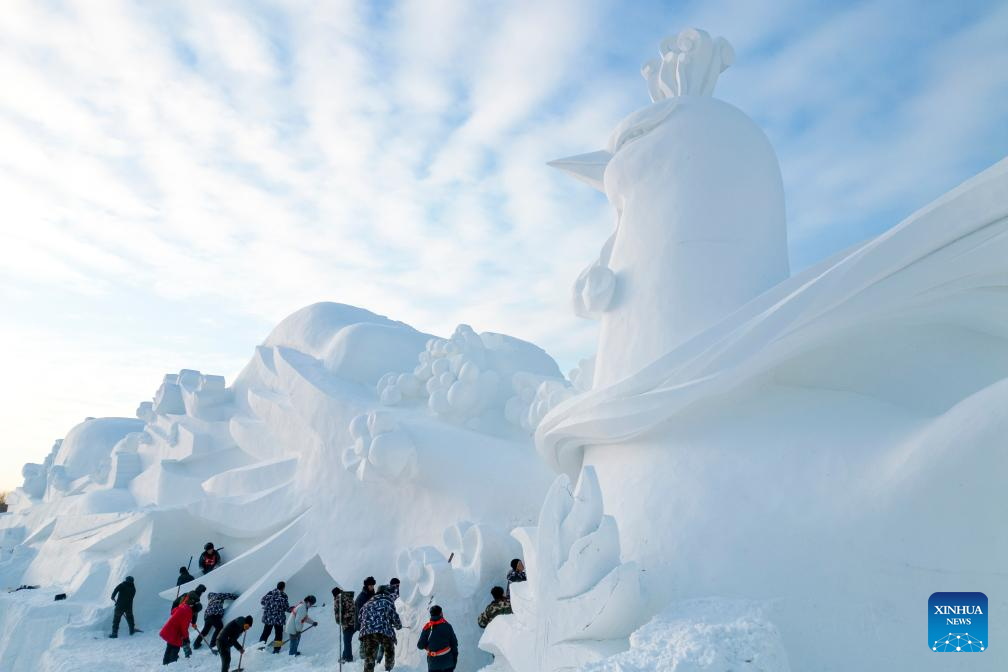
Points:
(936, 281)
(580, 602)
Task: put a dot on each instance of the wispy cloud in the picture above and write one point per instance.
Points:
(176, 177)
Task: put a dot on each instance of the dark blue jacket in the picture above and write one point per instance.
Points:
(438, 639)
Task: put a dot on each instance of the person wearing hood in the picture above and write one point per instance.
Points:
(439, 641)
(378, 622)
(229, 638)
(298, 622)
(123, 597)
(175, 631)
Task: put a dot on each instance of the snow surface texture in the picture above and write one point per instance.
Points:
(754, 472)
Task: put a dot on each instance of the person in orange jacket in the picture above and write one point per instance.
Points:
(176, 630)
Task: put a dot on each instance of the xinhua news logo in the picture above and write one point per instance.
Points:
(957, 622)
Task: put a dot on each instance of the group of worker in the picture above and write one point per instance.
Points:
(372, 614)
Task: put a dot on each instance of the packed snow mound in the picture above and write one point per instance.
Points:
(709, 635)
(311, 329)
(86, 449)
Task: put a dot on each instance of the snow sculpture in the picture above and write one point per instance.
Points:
(699, 213)
(580, 602)
(379, 444)
(459, 582)
(468, 378)
(789, 444)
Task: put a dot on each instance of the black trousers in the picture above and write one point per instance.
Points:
(266, 632)
(117, 616)
(215, 623)
(225, 657)
(170, 654)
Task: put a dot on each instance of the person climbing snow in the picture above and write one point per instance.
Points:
(378, 622)
(175, 631)
(500, 605)
(439, 641)
(346, 618)
(213, 618)
(275, 607)
(209, 559)
(229, 638)
(184, 576)
(123, 597)
(516, 575)
(296, 623)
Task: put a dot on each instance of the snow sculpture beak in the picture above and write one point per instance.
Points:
(589, 168)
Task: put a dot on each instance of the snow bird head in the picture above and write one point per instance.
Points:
(689, 65)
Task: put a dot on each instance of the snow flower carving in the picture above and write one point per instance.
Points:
(452, 376)
(380, 448)
(580, 603)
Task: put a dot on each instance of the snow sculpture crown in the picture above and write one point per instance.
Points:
(689, 65)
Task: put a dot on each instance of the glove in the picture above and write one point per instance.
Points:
(240, 649)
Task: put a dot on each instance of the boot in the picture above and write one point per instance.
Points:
(114, 635)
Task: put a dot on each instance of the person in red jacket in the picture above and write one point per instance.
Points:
(176, 630)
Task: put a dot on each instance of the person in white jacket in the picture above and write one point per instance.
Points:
(298, 621)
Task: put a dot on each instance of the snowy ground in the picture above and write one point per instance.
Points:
(88, 649)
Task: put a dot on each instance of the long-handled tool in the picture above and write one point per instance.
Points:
(264, 647)
(242, 654)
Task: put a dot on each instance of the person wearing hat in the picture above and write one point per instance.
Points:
(123, 597)
(439, 641)
(378, 622)
(229, 638)
(210, 559)
(346, 618)
(184, 576)
(298, 622)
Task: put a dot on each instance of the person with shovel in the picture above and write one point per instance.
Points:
(229, 638)
(296, 623)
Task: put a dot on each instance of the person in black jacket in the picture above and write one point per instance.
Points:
(123, 597)
(184, 576)
(229, 637)
(209, 559)
(438, 639)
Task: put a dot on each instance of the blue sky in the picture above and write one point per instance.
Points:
(176, 177)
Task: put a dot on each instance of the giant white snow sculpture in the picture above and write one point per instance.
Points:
(833, 444)
(299, 470)
(754, 472)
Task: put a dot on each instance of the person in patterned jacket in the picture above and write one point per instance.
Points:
(500, 605)
(346, 617)
(275, 607)
(213, 618)
(378, 622)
